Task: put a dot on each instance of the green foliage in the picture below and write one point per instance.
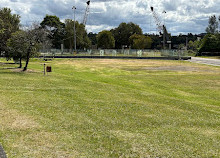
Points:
(191, 45)
(24, 44)
(197, 45)
(123, 32)
(81, 35)
(92, 37)
(213, 25)
(181, 46)
(18, 46)
(9, 23)
(52, 22)
(140, 41)
(191, 53)
(56, 29)
(105, 40)
(210, 43)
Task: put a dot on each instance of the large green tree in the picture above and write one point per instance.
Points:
(123, 32)
(92, 37)
(9, 23)
(55, 28)
(25, 44)
(105, 40)
(82, 40)
(140, 42)
(213, 25)
(210, 43)
(18, 46)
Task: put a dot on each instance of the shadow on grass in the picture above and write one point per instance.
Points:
(14, 71)
(17, 71)
(8, 68)
(1, 63)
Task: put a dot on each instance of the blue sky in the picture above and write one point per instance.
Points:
(182, 16)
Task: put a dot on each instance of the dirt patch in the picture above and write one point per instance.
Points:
(173, 68)
(21, 70)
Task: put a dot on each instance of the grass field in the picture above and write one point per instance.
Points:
(110, 108)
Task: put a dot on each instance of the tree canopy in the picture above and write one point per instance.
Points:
(81, 35)
(210, 43)
(56, 29)
(9, 23)
(123, 32)
(18, 45)
(213, 25)
(105, 40)
(140, 42)
(24, 44)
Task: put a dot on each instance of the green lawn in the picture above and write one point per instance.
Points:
(110, 108)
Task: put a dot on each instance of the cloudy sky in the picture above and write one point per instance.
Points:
(182, 16)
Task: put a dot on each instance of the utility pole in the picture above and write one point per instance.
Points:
(164, 37)
(164, 40)
(218, 24)
(164, 12)
(186, 43)
(74, 28)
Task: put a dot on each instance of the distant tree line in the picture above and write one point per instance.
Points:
(21, 44)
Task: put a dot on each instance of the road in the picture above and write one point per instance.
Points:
(214, 62)
(2, 153)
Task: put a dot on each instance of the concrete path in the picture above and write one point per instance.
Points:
(214, 62)
(2, 153)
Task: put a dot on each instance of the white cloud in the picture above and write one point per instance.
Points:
(182, 15)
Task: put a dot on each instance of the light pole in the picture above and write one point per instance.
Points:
(164, 12)
(74, 8)
(164, 38)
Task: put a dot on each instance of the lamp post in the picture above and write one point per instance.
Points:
(164, 12)
(74, 8)
(164, 38)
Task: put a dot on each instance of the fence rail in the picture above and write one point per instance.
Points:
(115, 52)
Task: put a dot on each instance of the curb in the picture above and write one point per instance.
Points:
(2, 153)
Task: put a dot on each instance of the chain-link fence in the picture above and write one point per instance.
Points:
(115, 52)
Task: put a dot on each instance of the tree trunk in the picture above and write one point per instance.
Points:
(20, 63)
(28, 57)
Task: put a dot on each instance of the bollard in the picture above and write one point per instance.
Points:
(44, 68)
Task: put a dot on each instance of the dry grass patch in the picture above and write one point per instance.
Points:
(43, 144)
(137, 65)
(12, 119)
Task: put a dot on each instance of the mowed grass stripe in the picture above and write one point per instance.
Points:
(111, 108)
